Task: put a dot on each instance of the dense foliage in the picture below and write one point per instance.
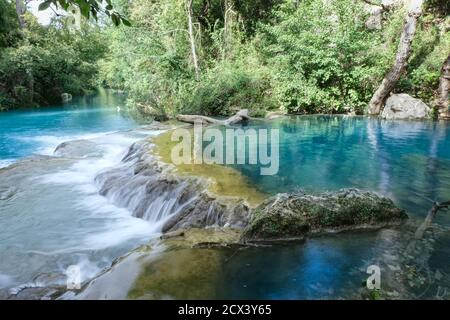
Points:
(330, 62)
(39, 63)
(302, 56)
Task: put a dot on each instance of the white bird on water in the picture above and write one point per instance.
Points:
(118, 109)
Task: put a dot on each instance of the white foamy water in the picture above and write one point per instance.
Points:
(5, 281)
(46, 144)
(118, 225)
(64, 220)
(6, 162)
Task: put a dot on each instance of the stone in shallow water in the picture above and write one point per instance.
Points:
(294, 216)
(77, 149)
(180, 274)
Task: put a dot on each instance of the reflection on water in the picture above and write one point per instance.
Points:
(320, 268)
(406, 160)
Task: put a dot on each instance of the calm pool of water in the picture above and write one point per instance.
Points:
(408, 161)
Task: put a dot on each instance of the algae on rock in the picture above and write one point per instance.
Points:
(293, 216)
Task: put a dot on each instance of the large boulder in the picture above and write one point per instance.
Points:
(403, 106)
(294, 216)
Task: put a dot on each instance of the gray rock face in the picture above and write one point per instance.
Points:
(152, 191)
(403, 106)
(294, 216)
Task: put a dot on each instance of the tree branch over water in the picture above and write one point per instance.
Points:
(429, 219)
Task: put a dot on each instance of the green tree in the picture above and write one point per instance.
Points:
(324, 58)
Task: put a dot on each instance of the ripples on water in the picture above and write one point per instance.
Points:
(51, 215)
(408, 161)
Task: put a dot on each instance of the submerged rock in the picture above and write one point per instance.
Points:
(403, 106)
(294, 216)
(77, 149)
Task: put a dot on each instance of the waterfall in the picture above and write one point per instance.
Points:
(151, 190)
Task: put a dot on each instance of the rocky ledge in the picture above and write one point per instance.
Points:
(157, 191)
(294, 216)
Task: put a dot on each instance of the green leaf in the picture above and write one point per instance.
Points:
(64, 4)
(44, 5)
(115, 19)
(85, 9)
(126, 22)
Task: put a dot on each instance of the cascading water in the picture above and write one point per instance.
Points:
(149, 189)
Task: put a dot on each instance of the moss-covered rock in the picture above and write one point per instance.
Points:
(293, 216)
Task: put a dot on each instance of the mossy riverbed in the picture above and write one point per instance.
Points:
(225, 181)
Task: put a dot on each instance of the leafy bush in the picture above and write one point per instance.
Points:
(309, 56)
(226, 88)
(48, 61)
(323, 56)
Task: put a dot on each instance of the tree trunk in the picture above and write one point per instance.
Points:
(20, 10)
(401, 60)
(444, 87)
(228, 21)
(240, 116)
(192, 38)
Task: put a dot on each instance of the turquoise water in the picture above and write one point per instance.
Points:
(51, 215)
(408, 161)
(38, 131)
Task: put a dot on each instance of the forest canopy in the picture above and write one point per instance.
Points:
(213, 57)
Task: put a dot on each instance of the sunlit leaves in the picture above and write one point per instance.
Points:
(88, 8)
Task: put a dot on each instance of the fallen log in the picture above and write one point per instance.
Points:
(240, 116)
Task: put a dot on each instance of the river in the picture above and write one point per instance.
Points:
(52, 216)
